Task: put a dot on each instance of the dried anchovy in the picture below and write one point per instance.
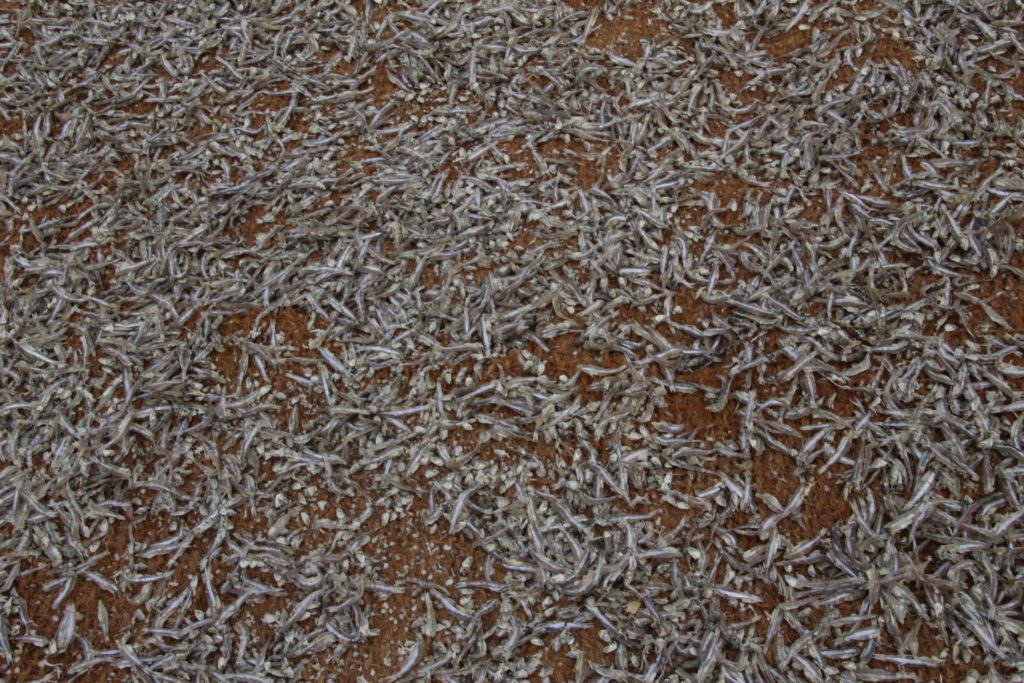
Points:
(511, 340)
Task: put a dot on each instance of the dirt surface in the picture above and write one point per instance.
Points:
(649, 341)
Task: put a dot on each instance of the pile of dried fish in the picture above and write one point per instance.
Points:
(511, 340)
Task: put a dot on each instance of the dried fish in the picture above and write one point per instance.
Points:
(389, 341)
